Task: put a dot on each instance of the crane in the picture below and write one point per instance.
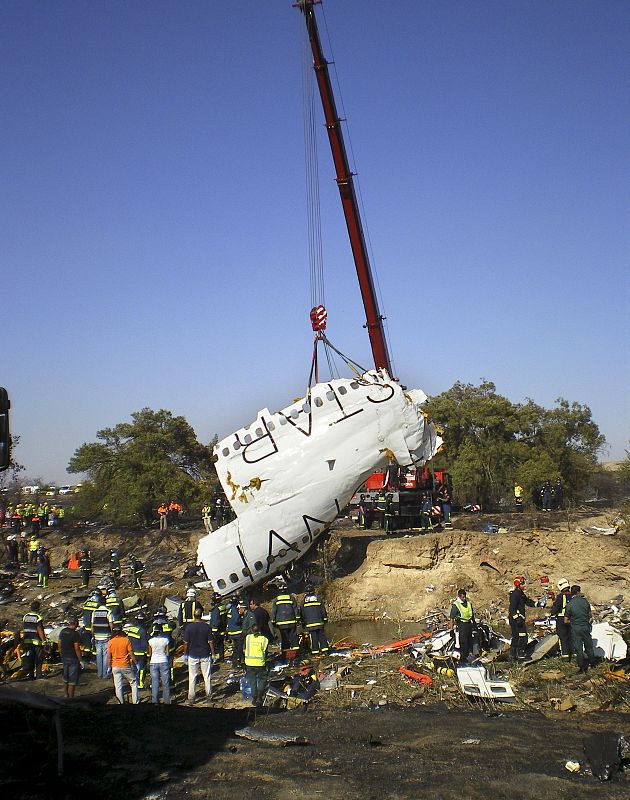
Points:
(345, 182)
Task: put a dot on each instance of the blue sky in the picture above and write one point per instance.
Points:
(153, 206)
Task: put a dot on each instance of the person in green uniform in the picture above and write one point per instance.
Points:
(578, 615)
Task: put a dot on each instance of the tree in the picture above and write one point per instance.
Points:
(137, 465)
(491, 442)
(623, 473)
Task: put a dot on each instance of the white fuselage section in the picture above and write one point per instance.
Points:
(289, 473)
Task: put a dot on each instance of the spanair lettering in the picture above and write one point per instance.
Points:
(288, 474)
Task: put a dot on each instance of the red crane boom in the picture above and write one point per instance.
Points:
(347, 193)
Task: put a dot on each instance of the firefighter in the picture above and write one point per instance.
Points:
(218, 621)
(114, 567)
(285, 616)
(305, 683)
(137, 633)
(90, 605)
(85, 567)
(35, 639)
(390, 513)
(559, 611)
(115, 606)
(101, 625)
(381, 507)
(186, 613)
(463, 617)
(366, 514)
(516, 615)
(137, 569)
(426, 509)
(314, 617)
(234, 629)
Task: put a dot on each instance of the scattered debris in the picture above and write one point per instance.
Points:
(572, 766)
(267, 737)
(474, 681)
(608, 642)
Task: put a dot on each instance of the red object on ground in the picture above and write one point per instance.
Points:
(416, 676)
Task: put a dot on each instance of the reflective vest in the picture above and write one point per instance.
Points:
(218, 619)
(138, 637)
(465, 611)
(88, 608)
(206, 511)
(30, 622)
(85, 564)
(313, 612)
(187, 610)
(256, 650)
(116, 608)
(518, 492)
(284, 611)
(34, 545)
(100, 623)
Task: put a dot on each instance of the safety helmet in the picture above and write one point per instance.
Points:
(95, 595)
(160, 612)
(563, 584)
(111, 592)
(216, 597)
(141, 616)
(519, 580)
(191, 593)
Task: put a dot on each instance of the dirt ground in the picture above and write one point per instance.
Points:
(375, 734)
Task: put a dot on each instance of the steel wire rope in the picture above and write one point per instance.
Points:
(357, 182)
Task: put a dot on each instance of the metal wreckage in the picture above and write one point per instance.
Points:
(289, 473)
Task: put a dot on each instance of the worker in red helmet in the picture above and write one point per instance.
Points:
(516, 615)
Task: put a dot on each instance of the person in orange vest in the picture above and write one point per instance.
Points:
(163, 515)
(174, 510)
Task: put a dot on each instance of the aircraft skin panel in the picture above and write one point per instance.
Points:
(289, 473)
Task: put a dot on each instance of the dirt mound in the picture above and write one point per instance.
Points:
(405, 575)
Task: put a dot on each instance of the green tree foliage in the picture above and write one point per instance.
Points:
(623, 473)
(136, 465)
(491, 443)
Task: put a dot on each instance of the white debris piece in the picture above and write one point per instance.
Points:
(289, 473)
(474, 682)
(608, 642)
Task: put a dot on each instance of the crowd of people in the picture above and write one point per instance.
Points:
(548, 497)
(137, 648)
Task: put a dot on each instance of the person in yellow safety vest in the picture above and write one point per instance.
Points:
(463, 616)
(33, 546)
(206, 513)
(256, 663)
(518, 496)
